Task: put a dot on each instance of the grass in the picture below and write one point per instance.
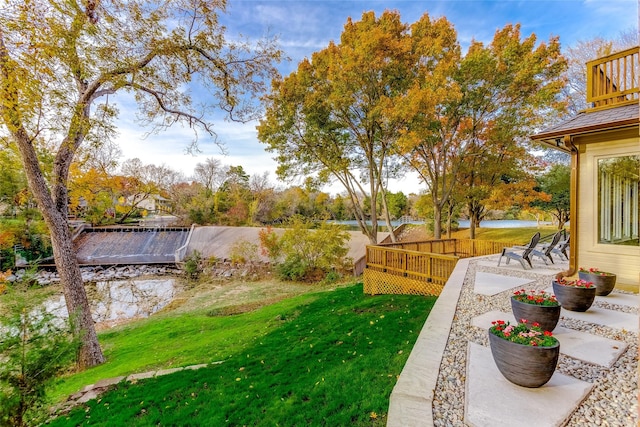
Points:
(328, 358)
(522, 234)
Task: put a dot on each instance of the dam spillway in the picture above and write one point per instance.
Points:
(129, 245)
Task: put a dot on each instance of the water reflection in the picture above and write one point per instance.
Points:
(114, 301)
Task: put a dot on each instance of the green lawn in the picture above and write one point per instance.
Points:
(328, 358)
(521, 234)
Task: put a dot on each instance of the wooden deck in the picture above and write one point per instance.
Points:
(612, 81)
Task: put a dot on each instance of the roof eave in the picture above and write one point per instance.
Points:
(555, 139)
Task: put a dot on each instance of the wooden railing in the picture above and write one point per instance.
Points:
(462, 248)
(420, 267)
(612, 81)
(429, 267)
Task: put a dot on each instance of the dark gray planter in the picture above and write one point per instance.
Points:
(524, 365)
(604, 284)
(546, 316)
(573, 298)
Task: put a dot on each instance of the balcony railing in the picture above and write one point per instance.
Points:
(612, 81)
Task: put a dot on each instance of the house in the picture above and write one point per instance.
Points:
(604, 143)
(153, 203)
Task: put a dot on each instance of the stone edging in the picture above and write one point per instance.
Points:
(93, 391)
(411, 399)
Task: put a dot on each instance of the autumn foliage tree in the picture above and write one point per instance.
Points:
(556, 182)
(474, 134)
(61, 60)
(333, 116)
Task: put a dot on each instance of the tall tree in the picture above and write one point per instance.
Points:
(235, 196)
(12, 181)
(211, 174)
(498, 93)
(331, 117)
(556, 182)
(60, 60)
(142, 182)
(429, 141)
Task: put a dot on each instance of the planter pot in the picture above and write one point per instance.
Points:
(604, 284)
(546, 316)
(573, 298)
(524, 365)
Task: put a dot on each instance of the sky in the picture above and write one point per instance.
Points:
(306, 26)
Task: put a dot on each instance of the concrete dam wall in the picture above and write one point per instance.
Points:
(129, 245)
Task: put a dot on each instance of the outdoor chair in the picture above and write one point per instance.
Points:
(546, 249)
(562, 248)
(521, 253)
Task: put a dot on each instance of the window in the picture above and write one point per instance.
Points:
(618, 185)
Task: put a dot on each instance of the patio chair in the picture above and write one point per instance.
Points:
(520, 253)
(546, 249)
(562, 249)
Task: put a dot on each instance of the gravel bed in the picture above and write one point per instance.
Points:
(612, 401)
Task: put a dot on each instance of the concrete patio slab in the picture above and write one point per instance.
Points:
(491, 284)
(617, 298)
(538, 266)
(488, 393)
(579, 345)
(602, 316)
(410, 404)
(588, 347)
(484, 320)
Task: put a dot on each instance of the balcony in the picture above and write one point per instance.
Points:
(612, 81)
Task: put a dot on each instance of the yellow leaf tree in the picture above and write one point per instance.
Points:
(60, 60)
(475, 135)
(336, 117)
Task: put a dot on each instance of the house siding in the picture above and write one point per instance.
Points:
(621, 260)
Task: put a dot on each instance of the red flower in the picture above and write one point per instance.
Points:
(536, 324)
(533, 343)
(547, 333)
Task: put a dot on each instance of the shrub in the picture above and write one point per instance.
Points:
(34, 348)
(301, 253)
(244, 252)
(193, 265)
(292, 269)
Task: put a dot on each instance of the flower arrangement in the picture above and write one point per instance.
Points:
(536, 298)
(578, 283)
(594, 270)
(531, 335)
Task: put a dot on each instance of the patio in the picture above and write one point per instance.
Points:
(451, 379)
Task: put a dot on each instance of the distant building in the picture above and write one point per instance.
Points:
(152, 203)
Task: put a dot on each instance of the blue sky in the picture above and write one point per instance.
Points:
(306, 26)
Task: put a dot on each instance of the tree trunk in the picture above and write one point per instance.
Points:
(67, 266)
(387, 217)
(437, 222)
(472, 228)
(75, 296)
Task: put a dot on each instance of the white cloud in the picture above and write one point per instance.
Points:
(306, 26)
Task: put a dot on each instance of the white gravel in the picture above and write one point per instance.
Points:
(614, 398)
